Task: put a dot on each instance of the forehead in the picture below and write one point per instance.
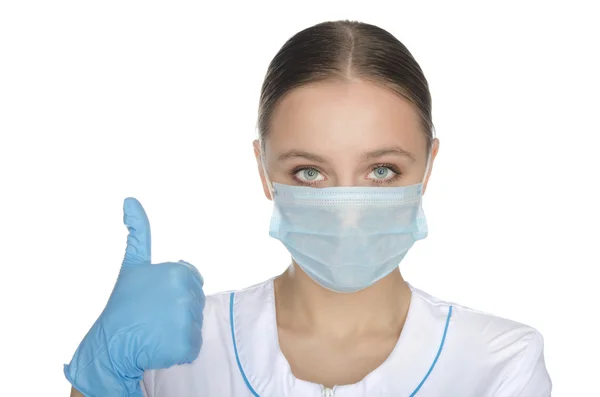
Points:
(346, 117)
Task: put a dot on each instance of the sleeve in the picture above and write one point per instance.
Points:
(527, 375)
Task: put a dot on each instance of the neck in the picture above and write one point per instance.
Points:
(305, 306)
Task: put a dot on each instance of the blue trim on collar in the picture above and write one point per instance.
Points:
(437, 355)
(255, 394)
(237, 357)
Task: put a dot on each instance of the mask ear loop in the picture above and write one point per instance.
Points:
(428, 167)
(265, 175)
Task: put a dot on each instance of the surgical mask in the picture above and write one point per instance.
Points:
(347, 238)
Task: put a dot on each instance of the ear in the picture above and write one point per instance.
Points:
(435, 147)
(261, 168)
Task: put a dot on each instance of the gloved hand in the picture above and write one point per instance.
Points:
(152, 320)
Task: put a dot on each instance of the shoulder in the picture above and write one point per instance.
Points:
(218, 306)
(507, 354)
(483, 329)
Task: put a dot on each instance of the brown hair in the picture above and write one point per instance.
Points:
(342, 50)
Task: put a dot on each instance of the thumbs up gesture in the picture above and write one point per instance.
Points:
(152, 320)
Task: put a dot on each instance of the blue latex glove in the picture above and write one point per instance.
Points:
(152, 320)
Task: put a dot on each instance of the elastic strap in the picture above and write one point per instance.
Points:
(266, 175)
(427, 167)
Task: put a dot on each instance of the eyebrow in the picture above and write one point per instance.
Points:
(301, 154)
(394, 150)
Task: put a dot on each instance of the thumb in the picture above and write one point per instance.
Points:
(138, 240)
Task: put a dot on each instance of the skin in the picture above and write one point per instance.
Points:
(343, 133)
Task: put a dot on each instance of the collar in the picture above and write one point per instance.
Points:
(266, 372)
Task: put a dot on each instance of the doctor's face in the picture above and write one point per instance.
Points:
(344, 134)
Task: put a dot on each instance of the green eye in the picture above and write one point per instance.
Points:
(310, 174)
(381, 172)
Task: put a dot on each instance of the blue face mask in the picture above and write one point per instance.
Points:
(348, 238)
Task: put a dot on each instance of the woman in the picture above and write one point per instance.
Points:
(345, 152)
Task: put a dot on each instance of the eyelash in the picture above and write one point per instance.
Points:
(391, 167)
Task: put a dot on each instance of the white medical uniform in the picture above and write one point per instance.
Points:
(445, 350)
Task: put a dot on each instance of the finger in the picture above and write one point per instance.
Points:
(138, 241)
(195, 271)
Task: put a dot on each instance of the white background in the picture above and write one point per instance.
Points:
(157, 100)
